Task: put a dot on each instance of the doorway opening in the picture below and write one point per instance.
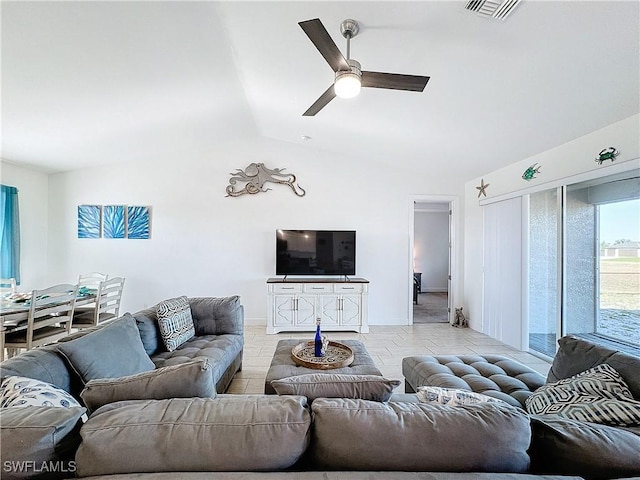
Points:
(431, 260)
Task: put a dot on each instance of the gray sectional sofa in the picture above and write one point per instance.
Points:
(225, 437)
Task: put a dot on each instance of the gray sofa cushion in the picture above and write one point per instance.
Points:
(598, 395)
(175, 322)
(363, 435)
(191, 379)
(114, 350)
(43, 363)
(217, 315)
(33, 438)
(328, 385)
(231, 433)
(576, 355)
(492, 375)
(147, 324)
(311, 475)
(16, 391)
(220, 349)
(593, 451)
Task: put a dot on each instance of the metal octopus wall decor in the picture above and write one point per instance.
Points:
(256, 175)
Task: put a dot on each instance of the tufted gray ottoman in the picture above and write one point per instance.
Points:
(283, 366)
(492, 375)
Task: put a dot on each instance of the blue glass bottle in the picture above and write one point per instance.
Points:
(318, 340)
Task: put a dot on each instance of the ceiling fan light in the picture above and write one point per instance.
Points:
(347, 84)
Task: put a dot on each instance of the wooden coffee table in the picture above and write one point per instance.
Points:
(283, 366)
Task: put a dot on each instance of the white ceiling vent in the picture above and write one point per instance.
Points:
(500, 9)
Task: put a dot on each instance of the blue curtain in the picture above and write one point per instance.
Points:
(9, 233)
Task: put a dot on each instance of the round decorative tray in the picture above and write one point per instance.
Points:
(337, 355)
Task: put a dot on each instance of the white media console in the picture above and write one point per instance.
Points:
(294, 305)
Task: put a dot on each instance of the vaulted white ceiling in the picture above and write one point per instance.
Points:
(87, 83)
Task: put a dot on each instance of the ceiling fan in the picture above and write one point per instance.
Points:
(349, 76)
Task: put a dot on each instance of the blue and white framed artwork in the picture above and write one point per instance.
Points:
(138, 222)
(113, 221)
(89, 221)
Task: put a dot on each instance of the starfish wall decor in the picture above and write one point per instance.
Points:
(482, 189)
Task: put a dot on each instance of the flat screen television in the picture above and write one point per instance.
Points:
(315, 252)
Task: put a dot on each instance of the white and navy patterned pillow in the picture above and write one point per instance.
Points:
(175, 322)
(452, 397)
(597, 395)
(25, 392)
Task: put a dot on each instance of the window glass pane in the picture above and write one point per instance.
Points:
(619, 313)
(543, 271)
(602, 260)
(580, 261)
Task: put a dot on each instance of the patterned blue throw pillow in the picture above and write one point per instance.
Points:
(24, 392)
(175, 322)
(598, 395)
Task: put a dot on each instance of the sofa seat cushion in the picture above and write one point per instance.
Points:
(36, 440)
(221, 350)
(227, 433)
(355, 434)
(492, 375)
(314, 475)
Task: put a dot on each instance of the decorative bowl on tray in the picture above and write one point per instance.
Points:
(337, 355)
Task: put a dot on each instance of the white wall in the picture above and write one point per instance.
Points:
(204, 243)
(431, 249)
(563, 162)
(33, 198)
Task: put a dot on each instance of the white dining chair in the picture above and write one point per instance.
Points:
(92, 279)
(107, 306)
(49, 319)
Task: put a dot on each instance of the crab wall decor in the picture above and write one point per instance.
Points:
(256, 175)
(605, 154)
(530, 173)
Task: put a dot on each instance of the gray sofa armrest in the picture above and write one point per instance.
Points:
(217, 315)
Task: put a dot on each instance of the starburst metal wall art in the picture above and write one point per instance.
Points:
(256, 175)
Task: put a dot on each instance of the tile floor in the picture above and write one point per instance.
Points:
(386, 344)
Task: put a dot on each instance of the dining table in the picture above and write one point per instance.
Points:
(15, 313)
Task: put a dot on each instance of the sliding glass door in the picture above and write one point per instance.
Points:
(584, 263)
(544, 267)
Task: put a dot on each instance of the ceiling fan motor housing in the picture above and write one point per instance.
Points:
(349, 28)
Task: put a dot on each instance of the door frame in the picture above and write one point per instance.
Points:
(454, 270)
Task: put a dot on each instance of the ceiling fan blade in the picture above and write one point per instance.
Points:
(394, 81)
(322, 40)
(319, 104)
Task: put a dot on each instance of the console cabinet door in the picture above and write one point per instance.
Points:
(351, 313)
(284, 309)
(306, 310)
(328, 311)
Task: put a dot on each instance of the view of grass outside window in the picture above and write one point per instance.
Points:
(619, 313)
